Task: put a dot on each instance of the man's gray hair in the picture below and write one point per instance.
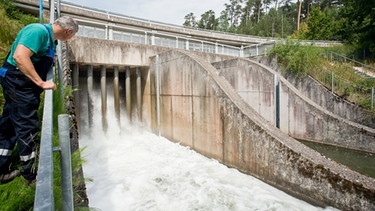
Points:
(67, 22)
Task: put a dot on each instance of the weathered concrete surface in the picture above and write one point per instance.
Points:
(300, 117)
(312, 89)
(93, 51)
(200, 109)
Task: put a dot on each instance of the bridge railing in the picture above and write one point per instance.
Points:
(99, 30)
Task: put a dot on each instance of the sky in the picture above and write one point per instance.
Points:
(131, 168)
(166, 11)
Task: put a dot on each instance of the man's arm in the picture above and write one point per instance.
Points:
(22, 57)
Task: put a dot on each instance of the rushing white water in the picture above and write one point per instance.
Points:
(133, 169)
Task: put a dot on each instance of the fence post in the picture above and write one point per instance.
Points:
(372, 98)
(333, 83)
(65, 160)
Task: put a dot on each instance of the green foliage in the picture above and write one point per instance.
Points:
(11, 22)
(17, 195)
(302, 60)
(320, 25)
(208, 21)
(358, 27)
(190, 20)
(297, 58)
(342, 20)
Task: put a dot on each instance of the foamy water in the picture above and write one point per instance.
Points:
(133, 169)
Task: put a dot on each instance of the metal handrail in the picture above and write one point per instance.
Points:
(44, 199)
(44, 185)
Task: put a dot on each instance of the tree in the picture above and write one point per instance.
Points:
(320, 25)
(223, 22)
(190, 20)
(299, 15)
(208, 21)
(359, 24)
(234, 12)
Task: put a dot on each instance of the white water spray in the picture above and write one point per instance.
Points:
(133, 169)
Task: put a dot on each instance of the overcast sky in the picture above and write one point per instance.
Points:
(166, 11)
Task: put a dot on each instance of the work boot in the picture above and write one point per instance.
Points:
(31, 182)
(5, 178)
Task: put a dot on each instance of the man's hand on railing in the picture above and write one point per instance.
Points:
(48, 85)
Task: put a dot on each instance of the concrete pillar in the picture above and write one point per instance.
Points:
(128, 93)
(103, 86)
(157, 83)
(139, 94)
(90, 82)
(110, 33)
(152, 39)
(116, 93)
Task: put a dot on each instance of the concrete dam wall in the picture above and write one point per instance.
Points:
(299, 116)
(189, 101)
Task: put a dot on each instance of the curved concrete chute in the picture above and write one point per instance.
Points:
(299, 116)
(200, 109)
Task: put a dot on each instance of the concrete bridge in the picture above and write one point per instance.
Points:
(218, 102)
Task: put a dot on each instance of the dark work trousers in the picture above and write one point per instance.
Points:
(19, 121)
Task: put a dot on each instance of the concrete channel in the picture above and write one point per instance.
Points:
(194, 99)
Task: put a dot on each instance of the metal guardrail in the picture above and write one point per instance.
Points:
(338, 57)
(345, 86)
(44, 185)
(93, 29)
(44, 197)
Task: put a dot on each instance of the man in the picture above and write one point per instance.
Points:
(23, 78)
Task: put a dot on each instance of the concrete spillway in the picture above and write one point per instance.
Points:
(184, 99)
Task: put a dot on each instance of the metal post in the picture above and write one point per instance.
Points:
(60, 69)
(60, 60)
(127, 92)
(103, 85)
(75, 86)
(41, 11)
(139, 94)
(52, 11)
(277, 101)
(372, 98)
(65, 162)
(332, 82)
(44, 185)
(58, 9)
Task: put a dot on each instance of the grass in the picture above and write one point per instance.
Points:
(303, 60)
